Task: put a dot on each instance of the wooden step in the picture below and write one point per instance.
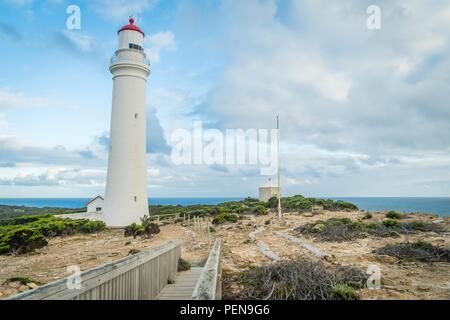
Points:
(183, 286)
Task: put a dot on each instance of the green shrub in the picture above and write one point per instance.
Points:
(150, 228)
(27, 233)
(391, 223)
(22, 280)
(225, 217)
(367, 216)
(394, 215)
(260, 210)
(133, 230)
(146, 229)
(418, 225)
(183, 265)
(21, 239)
(318, 228)
(343, 292)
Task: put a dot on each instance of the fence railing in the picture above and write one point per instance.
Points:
(209, 285)
(138, 277)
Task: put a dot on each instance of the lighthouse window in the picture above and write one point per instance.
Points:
(135, 199)
(135, 115)
(135, 46)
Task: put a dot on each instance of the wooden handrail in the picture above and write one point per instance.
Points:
(138, 277)
(209, 285)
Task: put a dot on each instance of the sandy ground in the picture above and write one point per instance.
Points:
(87, 251)
(400, 280)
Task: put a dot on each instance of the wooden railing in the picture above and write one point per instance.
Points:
(209, 285)
(138, 277)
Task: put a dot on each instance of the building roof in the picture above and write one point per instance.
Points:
(269, 184)
(97, 197)
(131, 26)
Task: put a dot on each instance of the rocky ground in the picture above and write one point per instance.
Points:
(243, 242)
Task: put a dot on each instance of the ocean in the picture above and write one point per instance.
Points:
(439, 206)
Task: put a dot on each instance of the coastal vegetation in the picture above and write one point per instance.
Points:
(344, 229)
(28, 233)
(224, 211)
(301, 204)
(183, 265)
(146, 229)
(394, 215)
(416, 251)
(17, 211)
(295, 280)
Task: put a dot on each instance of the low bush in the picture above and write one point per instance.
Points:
(416, 251)
(225, 217)
(21, 239)
(302, 204)
(183, 265)
(150, 228)
(344, 229)
(344, 292)
(295, 280)
(260, 210)
(22, 280)
(147, 228)
(28, 233)
(391, 223)
(368, 216)
(133, 230)
(394, 215)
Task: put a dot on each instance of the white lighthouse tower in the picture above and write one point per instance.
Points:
(126, 183)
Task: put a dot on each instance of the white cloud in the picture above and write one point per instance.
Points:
(159, 42)
(76, 41)
(57, 177)
(120, 10)
(10, 99)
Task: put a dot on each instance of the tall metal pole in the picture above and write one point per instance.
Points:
(280, 214)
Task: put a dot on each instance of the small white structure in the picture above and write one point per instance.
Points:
(95, 205)
(268, 191)
(126, 183)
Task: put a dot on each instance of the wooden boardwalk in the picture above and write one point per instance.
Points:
(183, 286)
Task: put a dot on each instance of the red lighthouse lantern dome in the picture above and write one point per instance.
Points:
(132, 27)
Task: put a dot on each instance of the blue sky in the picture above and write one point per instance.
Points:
(364, 112)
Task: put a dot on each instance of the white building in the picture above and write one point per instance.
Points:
(95, 205)
(268, 191)
(126, 184)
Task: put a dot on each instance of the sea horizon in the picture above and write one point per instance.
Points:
(433, 205)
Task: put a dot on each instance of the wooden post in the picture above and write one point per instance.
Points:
(189, 220)
(209, 234)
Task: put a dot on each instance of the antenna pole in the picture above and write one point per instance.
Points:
(280, 214)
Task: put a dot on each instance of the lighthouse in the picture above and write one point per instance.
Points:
(126, 183)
